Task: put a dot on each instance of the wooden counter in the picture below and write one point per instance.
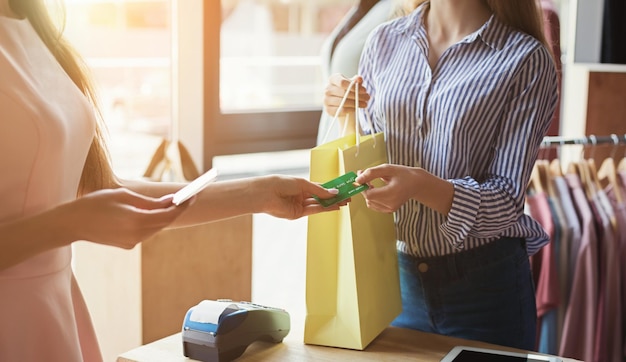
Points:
(393, 344)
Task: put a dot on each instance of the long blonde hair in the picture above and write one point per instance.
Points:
(97, 172)
(523, 15)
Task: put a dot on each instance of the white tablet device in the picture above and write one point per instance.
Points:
(194, 187)
(473, 354)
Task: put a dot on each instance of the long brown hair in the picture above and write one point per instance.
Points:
(97, 172)
(523, 15)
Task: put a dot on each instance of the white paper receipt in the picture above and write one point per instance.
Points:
(194, 187)
(209, 311)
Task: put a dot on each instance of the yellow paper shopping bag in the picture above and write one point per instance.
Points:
(352, 280)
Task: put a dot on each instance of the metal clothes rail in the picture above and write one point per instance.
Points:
(591, 140)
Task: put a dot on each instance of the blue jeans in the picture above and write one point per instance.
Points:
(485, 294)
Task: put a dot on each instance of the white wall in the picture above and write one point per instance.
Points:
(586, 31)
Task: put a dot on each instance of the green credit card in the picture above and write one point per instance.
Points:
(346, 186)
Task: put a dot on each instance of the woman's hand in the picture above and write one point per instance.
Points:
(118, 217)
(292, 197)
(403, 183)
(399, 186)
(335, 91)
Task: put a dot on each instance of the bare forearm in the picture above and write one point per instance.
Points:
(220, 200)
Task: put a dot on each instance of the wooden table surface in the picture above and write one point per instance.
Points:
(393, 344)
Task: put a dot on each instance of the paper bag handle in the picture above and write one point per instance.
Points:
(354, 84)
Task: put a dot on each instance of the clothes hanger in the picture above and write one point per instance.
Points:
(556, 169)
(544, 175)
(607, 174)
(621, 166)
(593, 182)
(591, 167)
(581, 169)
(536, 184)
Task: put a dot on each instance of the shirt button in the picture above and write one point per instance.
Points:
(422, 267)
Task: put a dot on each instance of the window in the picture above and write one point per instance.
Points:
(269, 53)
(127, 47)
(262, 88)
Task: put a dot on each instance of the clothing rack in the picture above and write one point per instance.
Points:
(591, 140)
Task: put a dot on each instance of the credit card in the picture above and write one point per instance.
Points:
(346, 186)
(194, 187)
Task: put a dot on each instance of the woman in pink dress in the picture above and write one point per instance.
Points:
(57, 187)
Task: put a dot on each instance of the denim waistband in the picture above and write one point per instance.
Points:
(454, 266)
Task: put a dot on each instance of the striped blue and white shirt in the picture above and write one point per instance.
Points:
(477, 119)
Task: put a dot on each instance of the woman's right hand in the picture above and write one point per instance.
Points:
(118, 217)
(335, 91)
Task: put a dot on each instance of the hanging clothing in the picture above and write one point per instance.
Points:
(586, 222)
(612, 344)
(568, 251)
(579, 326)
(605, 239)
(545, 270)
(622, 254)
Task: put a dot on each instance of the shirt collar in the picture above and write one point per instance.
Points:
(490, 33)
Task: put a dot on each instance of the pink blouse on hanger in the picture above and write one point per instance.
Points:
(579, 326)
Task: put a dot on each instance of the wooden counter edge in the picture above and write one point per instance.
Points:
(397, 343)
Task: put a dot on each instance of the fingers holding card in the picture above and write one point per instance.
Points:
(347, 188)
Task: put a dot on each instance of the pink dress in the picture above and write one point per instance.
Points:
(46, 126)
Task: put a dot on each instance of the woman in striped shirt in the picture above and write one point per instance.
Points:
(464, 91)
